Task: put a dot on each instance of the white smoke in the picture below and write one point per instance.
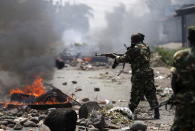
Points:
(154, 18)
(31, 31)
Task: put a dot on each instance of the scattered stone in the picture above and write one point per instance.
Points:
(78, 89)
(3, 122)
(34, 111)
(138, 126)
(91, 126)
(65, 83)
(30, 124)
(18, 127)
(10, 121)
(20, 120)
(11, 125)
(112, 126)
(97, 120)
(8, 117)
(19, 114)
(87, 108)
(83, 122)
(96, 89)
(3, 127)
(41, 117)
(61, 119)
(81, 128)
(1, 114)
(105, 102)
(113, 102)
(93, 129)
(34, 114)
(51, 110)
(13, 111)
(74, 82)
(85, 99)
(35, 119)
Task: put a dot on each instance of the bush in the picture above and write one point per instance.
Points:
(166, 55)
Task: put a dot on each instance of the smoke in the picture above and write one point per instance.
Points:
(26, 42)
(183, 2)
(30, 35)
(33, 32)
(77, 43)
(75, 36)
(150, 17)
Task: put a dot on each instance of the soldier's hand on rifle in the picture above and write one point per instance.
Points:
(115, 64)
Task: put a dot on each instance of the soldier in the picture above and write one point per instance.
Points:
(183, 85)
(138, 55)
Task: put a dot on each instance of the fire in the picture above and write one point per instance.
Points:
(41, 96)
(87, 59)
(36, 89)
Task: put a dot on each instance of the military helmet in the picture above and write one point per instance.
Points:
(141, 36)
(191, 33)
(137, 37)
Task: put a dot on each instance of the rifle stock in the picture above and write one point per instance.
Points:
(161, 104)
(170, 101)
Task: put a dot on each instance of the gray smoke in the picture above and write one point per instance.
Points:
(154, 18)
(30, 36)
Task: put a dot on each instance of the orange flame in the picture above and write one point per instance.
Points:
(36, 89)
(87, 59)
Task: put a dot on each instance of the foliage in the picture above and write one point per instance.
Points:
(166, 55)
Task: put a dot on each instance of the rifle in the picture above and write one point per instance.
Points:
(161, 104)
(110, 55)
(113, 56)
(165, 103)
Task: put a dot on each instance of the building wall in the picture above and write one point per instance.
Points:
(190, 21)
(172, 30)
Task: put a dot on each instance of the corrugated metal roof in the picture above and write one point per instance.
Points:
(185, 10)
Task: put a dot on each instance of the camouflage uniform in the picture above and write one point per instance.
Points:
(183, 84)
(142, 75)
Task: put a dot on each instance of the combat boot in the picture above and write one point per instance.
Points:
(156, 113)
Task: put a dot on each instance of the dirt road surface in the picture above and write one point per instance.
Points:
(73, 80)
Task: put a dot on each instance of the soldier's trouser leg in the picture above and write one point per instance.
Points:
(184, 118)
(150, 93)
(136, 93)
